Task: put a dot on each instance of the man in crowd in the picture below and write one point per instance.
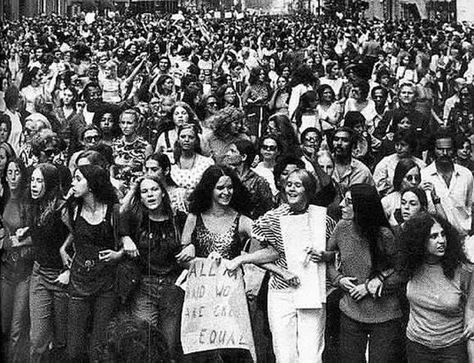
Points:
(348, 170)
(453, 183)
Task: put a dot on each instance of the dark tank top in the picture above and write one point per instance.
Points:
(89, 275)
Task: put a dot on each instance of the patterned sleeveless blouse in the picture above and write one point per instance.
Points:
(228, 244)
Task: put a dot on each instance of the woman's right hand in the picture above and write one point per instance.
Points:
(187, 254)
(348, 283)
(290, 278)
(67, 260)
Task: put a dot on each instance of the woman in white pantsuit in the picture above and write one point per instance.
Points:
(298, 231)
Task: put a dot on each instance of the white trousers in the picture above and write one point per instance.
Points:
(298, 334)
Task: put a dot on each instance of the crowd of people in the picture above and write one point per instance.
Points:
(131, 145)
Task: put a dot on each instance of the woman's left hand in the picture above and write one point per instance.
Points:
(110, 255)
(358, 292)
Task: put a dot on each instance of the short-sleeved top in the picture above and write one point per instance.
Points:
(267, 230)
(189, 178)
(229, 244)
(437, 306)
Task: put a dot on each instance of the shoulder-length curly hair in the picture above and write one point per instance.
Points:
(254, 76)
(201, 197)
(414, 237)
(223, 119)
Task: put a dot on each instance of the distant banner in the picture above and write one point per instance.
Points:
(420, 5)
(215, 313)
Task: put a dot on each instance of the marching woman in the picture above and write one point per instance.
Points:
(217, 227)
(370, 308)
(297, 330)
(48, 293)
(16, 265)
(439, 290)
(93, 267)
(152, 225)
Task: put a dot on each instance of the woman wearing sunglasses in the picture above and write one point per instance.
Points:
(270, 149)
(405, 147)
(407, 175)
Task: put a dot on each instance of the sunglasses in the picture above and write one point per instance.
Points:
(50, 152)
(91, 138)
(269, 147)
(413, 178)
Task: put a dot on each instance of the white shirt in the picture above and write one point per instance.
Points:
(456, 199)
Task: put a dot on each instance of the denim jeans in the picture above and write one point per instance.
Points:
(48, 307)
(418, 353)
(385, 342)
(15, 318)
(102, 309)
(159, 302)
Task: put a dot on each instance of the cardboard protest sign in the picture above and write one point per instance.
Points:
(299, 233)
(215, 313)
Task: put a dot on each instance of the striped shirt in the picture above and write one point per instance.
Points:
(267, 230)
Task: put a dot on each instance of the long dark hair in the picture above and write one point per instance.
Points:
(369, 218)
(99, 183)
(403, 167)
(415, 235)
(44, 208)
(201, 197)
